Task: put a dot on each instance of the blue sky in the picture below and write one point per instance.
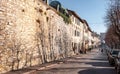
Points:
(91, 10)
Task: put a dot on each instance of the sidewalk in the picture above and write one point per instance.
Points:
(33, 69)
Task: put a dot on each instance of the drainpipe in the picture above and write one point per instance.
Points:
(83, 38)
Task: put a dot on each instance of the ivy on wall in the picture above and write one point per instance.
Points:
(65, 18)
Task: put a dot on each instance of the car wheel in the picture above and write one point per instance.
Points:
(117, 69)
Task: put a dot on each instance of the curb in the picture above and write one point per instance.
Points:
(41, 68)
(30, 72)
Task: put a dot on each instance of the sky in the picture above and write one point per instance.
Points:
(93, 11)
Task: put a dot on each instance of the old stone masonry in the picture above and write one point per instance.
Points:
(32, 33)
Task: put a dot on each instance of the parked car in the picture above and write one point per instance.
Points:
(112, 55)
(108, 50)
(117, 64)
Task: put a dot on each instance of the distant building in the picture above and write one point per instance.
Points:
(96, 39)
(77, 31)
(80, 30)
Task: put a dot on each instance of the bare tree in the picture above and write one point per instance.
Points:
(112, 20)
(111, 39)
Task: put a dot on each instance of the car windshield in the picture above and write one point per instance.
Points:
(115, 52)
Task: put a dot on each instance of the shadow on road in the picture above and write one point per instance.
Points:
(97, 71)
(98, 64)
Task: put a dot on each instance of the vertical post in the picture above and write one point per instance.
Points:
(58, 8)
(83, 38)
(47, 1)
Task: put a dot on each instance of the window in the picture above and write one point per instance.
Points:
(77, 33)
(77, 21)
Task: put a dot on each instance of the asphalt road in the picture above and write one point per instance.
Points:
(93, 62)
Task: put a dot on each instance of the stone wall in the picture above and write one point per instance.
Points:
(31, 33)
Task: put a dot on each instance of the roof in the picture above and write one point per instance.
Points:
(75, 14)
(87, 25)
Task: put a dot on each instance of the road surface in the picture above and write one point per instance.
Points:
(93, 62)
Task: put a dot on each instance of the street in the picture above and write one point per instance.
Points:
(93, 62)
